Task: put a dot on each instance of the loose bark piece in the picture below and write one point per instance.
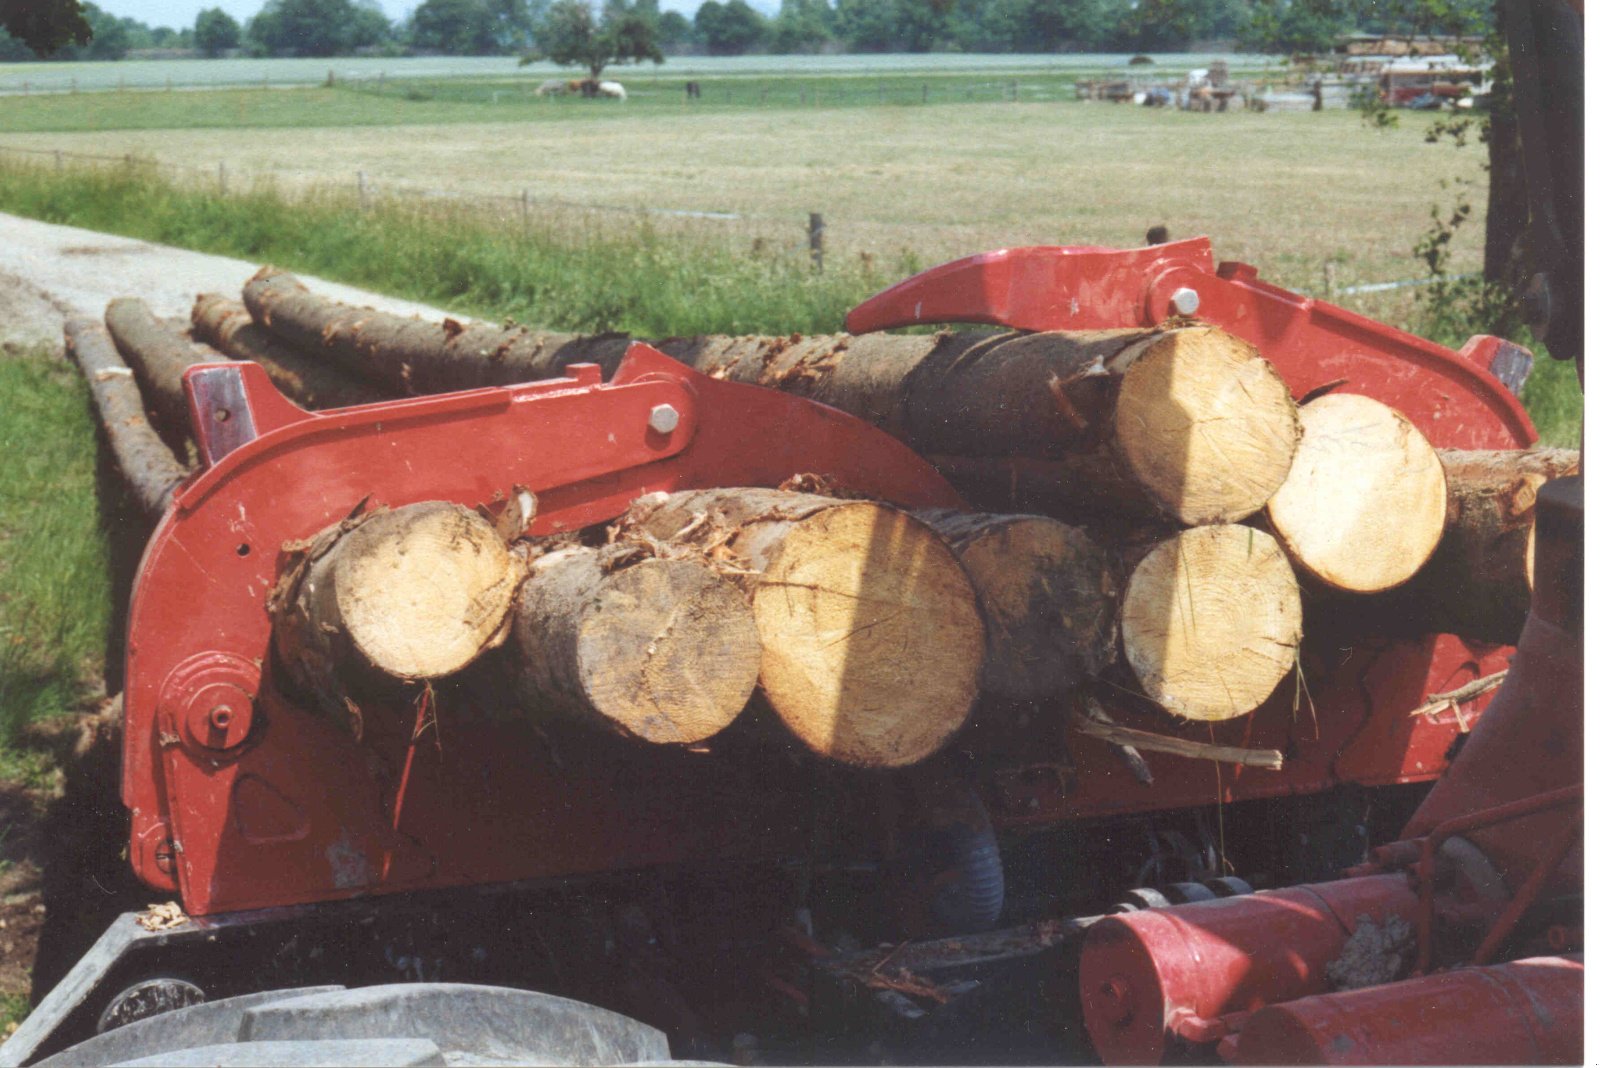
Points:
(409, 594)
(158, 355)
(150, 468)
(226, 325)
(659, 650)
(1050, 595)
(1364, 504)
(1211, 621)
(1192, 416)
(872, 640)
(1162, 743)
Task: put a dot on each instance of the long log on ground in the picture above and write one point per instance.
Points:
(405, 595)
(1195, 420)
(1050, 596)
(659, 650)
(150, 468)
(1364, 504)
(158, 355)
(1211, 621)
(872, 641)
(226, 325)
(1479, 582)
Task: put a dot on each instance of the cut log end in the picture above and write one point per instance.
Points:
(1364, 505)
(873, 646)
(1211, 621)
(1049, 593)
(1206, 425)
(422, 591)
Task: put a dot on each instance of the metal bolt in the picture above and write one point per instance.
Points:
(663, 419)
(166, 856)
(221, 716)
(1185, 301)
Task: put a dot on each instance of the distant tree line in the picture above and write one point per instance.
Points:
(734, 27)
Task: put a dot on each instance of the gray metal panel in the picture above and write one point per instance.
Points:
(338, 1053)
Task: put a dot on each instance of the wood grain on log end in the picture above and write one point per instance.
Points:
(1364, 505)
(660, 650)
(1211, 621)
(1205, 424)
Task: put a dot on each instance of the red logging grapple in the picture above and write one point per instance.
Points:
(243, 799)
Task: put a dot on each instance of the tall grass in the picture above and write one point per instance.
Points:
(560, 273)
(55, 585)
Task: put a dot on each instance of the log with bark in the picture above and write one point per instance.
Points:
(1479, 582)
(158, 354)
(150, 468)
(871, 636)
(661, 650)
(226, 325)
(1211, 621)
(1364, 504)
(1190, 421)
(1050, 595)
(385, 596)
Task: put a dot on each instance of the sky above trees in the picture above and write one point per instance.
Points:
(180, 13)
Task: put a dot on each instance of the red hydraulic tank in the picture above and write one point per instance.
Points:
(1150, 980)
(1526, 1012)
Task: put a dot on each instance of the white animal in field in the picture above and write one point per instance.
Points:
(551, 87)
(613, 90)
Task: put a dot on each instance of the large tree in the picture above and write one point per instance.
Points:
(572, 35)
(317, 27)
(729, 29)
(455, 27)
(215, 32)
(45, 25)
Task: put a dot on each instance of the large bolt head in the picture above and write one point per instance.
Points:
(663, 419)
(1185, 301)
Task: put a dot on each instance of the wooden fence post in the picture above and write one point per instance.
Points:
(814, 230)
(525, 212)
(222, 178)
(361, 188)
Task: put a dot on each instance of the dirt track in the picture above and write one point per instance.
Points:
(48, 272)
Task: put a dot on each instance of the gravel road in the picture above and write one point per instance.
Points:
(49, 272)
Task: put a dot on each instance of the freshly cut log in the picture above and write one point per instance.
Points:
(659, 650)
(1479, 582)
(1364, 504)
(1211, 621)
(150, 468)
(226, 325)
(158, 355)
(407, 594)
(1049, 593)
(1193, 418)
(872, 642)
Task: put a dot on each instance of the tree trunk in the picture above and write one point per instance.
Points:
(872, 640)
(1050, 596)
(1211, 621)
(1195, 418)
(409, 594)
(158, 355)
(226, 325)
(1364, 504)
(659, 650)
(1479, 582)
(152, 471)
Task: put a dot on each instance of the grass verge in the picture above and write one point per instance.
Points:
(55, 584)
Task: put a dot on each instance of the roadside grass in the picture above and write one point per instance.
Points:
(55, 585)
(13, 1010)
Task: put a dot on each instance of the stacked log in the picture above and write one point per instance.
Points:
(226, 326)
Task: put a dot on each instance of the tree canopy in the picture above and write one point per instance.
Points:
(215, 32)
(571, 35)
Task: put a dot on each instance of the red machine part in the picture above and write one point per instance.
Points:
(240, 799)
(1152, 981)
(1458, 399)
(1525, 1012)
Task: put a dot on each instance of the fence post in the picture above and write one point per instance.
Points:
(361, 188)
(222, 178)
(525, 212)
(1328, 278)
(74, 85)
(924, 92)
(60, 163)
(814, 229)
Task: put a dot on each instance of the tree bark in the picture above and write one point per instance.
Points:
(1479, 582)
(158, 355)
(871, 635)
(1050, 596)
(405, 595)
(1195, 418)
(226, 325)
(1364, 504)
(658, 650)
(1211, 621)
(150, 468)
